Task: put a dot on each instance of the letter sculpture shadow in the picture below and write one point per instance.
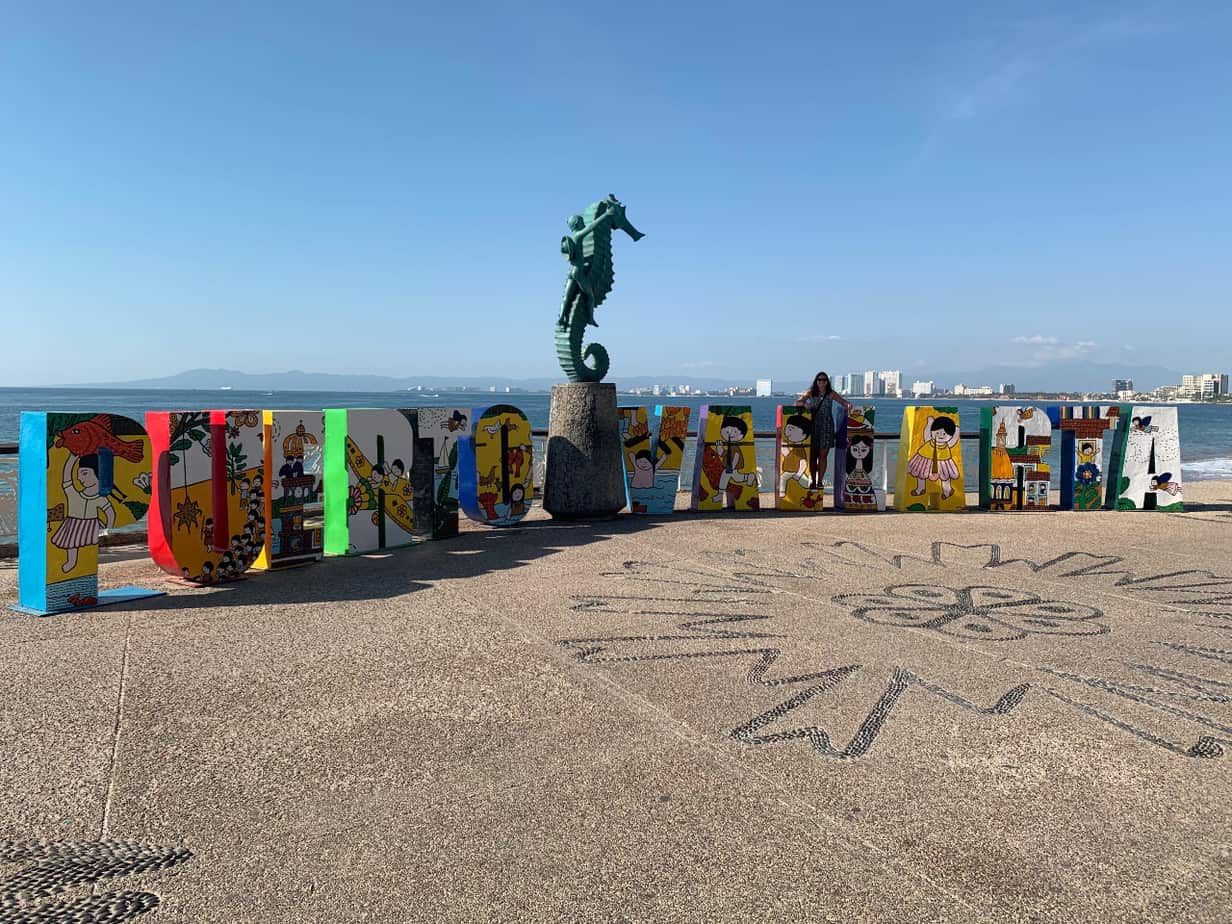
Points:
(588, 249)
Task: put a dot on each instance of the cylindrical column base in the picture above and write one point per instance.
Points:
(585, 475)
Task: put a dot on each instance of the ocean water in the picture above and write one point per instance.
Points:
(1206, 429)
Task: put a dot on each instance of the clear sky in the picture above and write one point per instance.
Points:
(372, 187)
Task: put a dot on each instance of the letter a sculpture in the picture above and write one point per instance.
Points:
(588, 249)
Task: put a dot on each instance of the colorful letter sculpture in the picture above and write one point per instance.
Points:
(1082, 452)
(930, 467)
(294, 444)
(725, 463)
(653, 452)
(1144, 472)
(207, 512)
(368, 497)
(792, 478)
(77, 473)
(853, 473)
(1014, 444)
(497, 467)
(434, 477)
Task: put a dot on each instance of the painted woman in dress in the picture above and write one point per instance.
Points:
(934, 460)
(820, 399)
(859, 484)
(82, 507)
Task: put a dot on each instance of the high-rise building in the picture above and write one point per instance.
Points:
(1119, 385)
(765, 387)
(921, 389)
(1206, 385)
(851, 384)
(872, 383)
(892, 383)
(1005, 389)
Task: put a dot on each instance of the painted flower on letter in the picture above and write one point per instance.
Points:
(1087, 473)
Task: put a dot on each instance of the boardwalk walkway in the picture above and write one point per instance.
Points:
(966, 717)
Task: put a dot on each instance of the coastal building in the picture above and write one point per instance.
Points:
(1120, 385)
(972, 391)
(851, 384)
(921, 389)
(892, 383)
(872, 384)
(1006, 388)
(1204, 386)
(765, 388)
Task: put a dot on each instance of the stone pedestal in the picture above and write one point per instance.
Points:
(585, 475)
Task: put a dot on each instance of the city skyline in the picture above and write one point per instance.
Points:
(888, 383)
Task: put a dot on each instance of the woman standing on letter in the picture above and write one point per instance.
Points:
(819, 400)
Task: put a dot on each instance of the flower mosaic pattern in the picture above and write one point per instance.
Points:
(994, 614)
(1087, 473)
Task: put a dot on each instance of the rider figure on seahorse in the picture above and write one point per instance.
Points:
(589, 252)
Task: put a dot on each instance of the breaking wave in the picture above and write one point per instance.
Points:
(1207, 469)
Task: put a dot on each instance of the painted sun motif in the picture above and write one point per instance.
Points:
(187, 514)
(994, 614)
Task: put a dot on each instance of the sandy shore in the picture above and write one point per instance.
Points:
(967, 717)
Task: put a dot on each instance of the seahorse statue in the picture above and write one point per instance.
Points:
(588, 248)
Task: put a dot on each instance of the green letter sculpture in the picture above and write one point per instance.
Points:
(589, 252)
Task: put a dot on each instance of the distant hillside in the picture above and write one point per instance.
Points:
(297, 380)
(1061, 375)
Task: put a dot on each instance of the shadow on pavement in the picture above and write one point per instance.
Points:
(392, 573)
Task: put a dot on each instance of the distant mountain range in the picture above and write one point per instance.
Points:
(1061, 375)
(296, 380)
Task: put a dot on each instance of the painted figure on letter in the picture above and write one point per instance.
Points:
(82, 509)
(934, 460)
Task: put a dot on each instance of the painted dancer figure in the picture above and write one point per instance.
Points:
(732, 433)
(82, 507)
(934, 460)
(820, 399)
(795, 452)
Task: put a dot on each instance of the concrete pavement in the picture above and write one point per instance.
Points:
(967, 717)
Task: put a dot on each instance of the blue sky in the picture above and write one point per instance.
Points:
(382, 187)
